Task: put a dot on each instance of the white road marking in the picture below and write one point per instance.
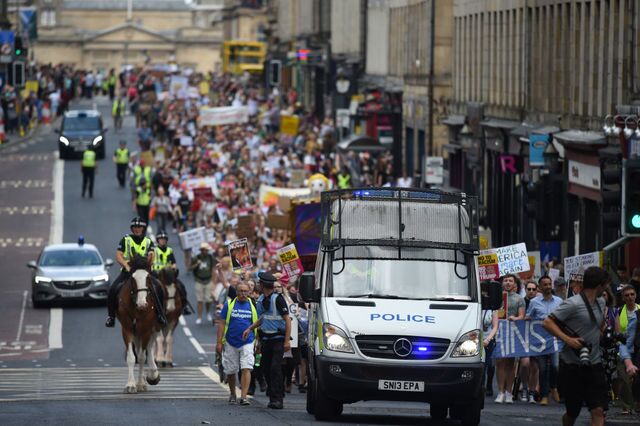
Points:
(21, 242)
(210, 373)
(196, 345)
(57, 221)
(29, 183)
(55, 328)
(187, 332)
(33, 329)
(25, 210)
(24, 306)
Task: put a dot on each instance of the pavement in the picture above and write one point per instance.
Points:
(62, 366)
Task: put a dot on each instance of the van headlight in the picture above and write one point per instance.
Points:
(42, 280)
(97, 139)
(468, 345)
(103, 277)
(335, 339)
(64, 140)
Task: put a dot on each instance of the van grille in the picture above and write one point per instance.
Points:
(71, 285)
(382, 347)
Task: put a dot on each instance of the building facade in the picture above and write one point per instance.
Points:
(104, 34)
(526, 70)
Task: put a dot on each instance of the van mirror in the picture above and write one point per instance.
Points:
(491, 292)
(108, 263)
(308, 287)
(32, 264)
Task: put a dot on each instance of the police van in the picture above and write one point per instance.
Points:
(395, 303)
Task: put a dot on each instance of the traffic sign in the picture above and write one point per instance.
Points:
(7, 40)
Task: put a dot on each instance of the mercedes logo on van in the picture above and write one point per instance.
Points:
(402, 347)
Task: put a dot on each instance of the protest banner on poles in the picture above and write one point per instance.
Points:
(498, 262)
(291, 264)
(574, 266)
(524, 338)
(223, 115)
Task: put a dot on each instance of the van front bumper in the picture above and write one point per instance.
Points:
(350, 380)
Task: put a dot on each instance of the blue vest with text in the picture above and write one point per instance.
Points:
(273, 324)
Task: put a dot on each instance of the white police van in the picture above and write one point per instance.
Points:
(396, 303)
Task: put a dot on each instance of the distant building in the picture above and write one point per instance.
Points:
(104, 34)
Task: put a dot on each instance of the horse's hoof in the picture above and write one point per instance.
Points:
(153, 382)
(130, 389)
(141, 387)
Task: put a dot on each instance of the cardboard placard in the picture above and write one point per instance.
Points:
(291, 264)
(245, 227)
(289, 124)
(511, 259)
(204, 193)
(574, 266)
(284, 203)
(240, 255)
(279, 221)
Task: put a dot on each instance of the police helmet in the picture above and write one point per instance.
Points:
(138, 221)
(162, 234)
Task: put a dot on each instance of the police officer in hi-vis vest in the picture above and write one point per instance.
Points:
(275, 335)
(163, 257)
(135, 243)
(88, 170)
(121, 158)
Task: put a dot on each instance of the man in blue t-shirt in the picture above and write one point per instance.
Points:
(236, 316)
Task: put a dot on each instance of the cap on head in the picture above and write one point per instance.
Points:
(204, 246)
(266, 279)
(161, 235)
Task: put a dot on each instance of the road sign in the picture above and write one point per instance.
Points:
(7, 39)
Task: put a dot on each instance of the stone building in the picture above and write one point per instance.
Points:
(103, 34)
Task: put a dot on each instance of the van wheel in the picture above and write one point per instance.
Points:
(324, 408)
(438, 411)
(468, 414)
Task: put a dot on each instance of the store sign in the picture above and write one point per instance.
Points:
(584, 175)
(508, 164)
(537, 145)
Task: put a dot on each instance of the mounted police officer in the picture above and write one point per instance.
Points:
(275, 333)
(163, 258)
(135, 243)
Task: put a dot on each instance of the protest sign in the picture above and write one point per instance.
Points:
(289, 124)
(297, 178)
(223, 115)
(509, 259)
(178, 86)
(210, 235)
(535, 267)
(204, 193)
(240, 255)
(192, 239)
(204, 182)
(291, 264)
(485, 239)
(574, 266)
(554, 274)
(245, 226)
(279, 221)
(269, 194)
(524, 338)
(307, 228)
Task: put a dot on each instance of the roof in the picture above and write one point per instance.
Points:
(67, 246)
(77, 112)
(526, 129)
(114, 29)
(454, 120)
(581, 137)
(173, 5)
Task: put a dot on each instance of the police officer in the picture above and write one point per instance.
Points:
(135, 243)
(275, 333)
(163, 258)
(143, 198)
(141, 170)
(88, 170)
(121, 158)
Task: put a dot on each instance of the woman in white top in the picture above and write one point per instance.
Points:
(489, 331)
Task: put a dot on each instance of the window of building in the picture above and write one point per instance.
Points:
(48, 18)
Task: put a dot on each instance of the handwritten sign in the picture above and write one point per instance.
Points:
(574, 266)
(524, 338)
(223, 115)
(509, 260)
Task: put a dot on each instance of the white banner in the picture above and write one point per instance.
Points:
(202, 183)
(193, 238)
(223, 115)
(509, 259)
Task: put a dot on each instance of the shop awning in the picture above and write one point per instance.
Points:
(360, 143)
(454, 120)
(581, 137)
(499, 123)
(525, 130)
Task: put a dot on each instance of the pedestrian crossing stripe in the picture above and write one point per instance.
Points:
(63, 384)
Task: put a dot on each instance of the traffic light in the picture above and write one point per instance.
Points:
(631, 199)
(19, 50)
(611, 194)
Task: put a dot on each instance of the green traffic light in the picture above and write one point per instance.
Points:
(635, 221)
(18, 52)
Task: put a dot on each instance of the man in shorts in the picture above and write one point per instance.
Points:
(202, 266)
(237, 353)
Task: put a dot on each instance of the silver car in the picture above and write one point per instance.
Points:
(69, 272)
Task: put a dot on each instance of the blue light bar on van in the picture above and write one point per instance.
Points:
(406, 194)
(420, 348)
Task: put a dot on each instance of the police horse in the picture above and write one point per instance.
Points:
(136, 313)
(173, 306)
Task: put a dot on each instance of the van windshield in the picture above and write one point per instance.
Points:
(401, 279)
(80, 123)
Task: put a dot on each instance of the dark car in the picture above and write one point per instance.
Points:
(80, 130)
(69, 272)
